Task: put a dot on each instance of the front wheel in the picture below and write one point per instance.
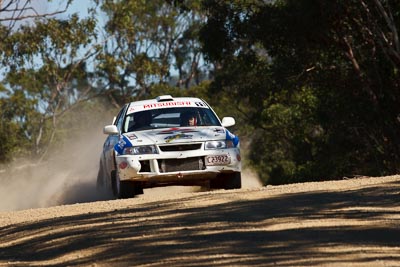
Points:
(227, 181)
(124, 189)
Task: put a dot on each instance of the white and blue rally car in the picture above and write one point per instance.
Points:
(169, 141)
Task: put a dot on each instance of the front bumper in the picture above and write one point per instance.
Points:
(178, 167)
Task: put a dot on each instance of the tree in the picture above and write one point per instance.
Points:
(46, 74)
(148, 40)
(341, 56)
(15, 11)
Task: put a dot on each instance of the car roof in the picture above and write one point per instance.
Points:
(164, 98)
(166, 101)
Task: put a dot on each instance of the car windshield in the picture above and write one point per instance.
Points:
(170, 117)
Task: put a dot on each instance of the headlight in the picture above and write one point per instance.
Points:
(218, 144)
(140, 150)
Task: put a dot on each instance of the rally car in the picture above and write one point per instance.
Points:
(168, 141)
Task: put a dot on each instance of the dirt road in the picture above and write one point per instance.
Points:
(339, 223)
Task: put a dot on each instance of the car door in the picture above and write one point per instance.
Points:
(111, 141)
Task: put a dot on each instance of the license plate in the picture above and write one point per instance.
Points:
(218, 160)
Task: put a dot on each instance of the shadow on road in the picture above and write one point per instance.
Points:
(316, 228)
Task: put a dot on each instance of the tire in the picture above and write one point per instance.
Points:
(227, 181)
(115, 184)
(124, 189)
(138, 189)
(100, 178)
(234, 181)
(130, 189)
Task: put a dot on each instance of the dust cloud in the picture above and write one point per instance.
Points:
(67, 177)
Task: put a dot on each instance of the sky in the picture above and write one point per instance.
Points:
(77, 6)
(46, 7)
(80, 7)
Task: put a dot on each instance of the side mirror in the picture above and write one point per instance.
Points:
(228, 121)
(110, 130)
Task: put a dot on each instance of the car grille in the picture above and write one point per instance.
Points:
(180, 147)
(175, 165)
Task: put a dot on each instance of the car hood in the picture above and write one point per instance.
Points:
(176, 135)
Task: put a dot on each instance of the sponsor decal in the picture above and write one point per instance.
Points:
(178, 136)
(157, 105)
(170, 130)
(234, 138)
(219, 130)
(168, 104)
(123, 142)
(131, 136)
(177, 131)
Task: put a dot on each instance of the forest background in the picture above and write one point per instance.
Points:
(314, 85)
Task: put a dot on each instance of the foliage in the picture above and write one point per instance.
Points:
(148, 40)
(46, 75)
(313, 85)
(54, 66)
(11, 133)
(343, 53)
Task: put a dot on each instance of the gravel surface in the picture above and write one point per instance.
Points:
(351, 222)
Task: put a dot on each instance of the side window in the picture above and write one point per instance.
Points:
(120, 118)
(129, 123)
(209, 118)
